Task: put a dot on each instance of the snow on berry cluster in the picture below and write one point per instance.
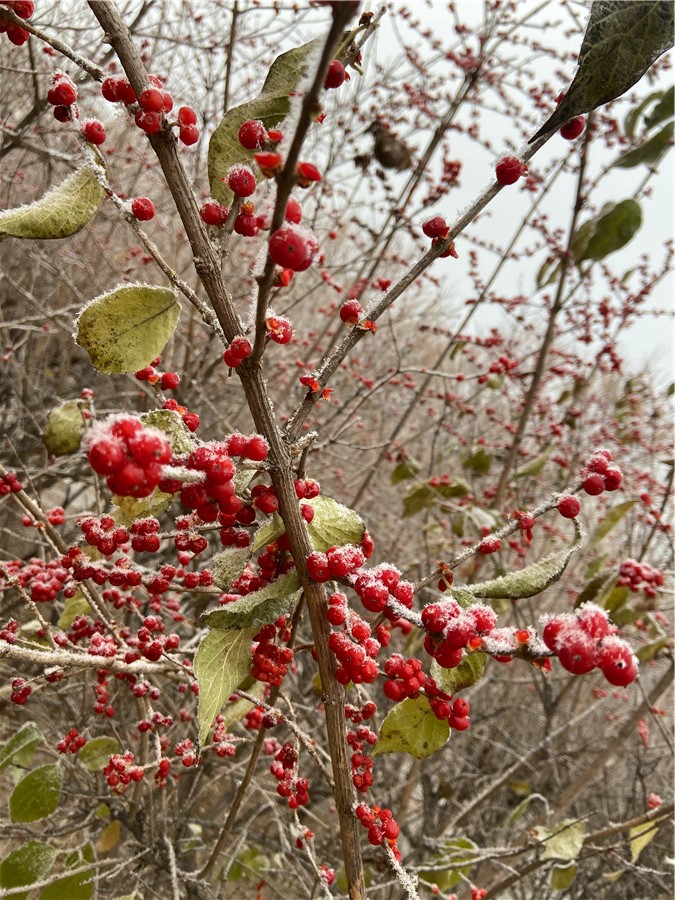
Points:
(639, 576)
(450, 629)
(121, 771)
(284, 768)
(599, 475)
(585, 640)
(129, 454)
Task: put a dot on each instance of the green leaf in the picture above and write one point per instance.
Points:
(613, 598)
(563, 876)
(73, 887)
(259, 607)
(64, 429)
(664, 109)
(333, 525)
(468, 672)
(235, 712)
(613, 230)
(621, 42)
(523, 805)
(250, 863)
(548, 273)
(168, 421)
(267, 533)
(96, 753)
(534, 466)
(270, 107)
(611, 520)
(591, 590)
(648, 153)
(37, 795)
(458, 855)
(126, 328)
(404, 470)
(228, 565)
(479, 461)
(72, 608)
(648, 651)
(419, 497)
(640, 836)
(633, 115)
(24, 739)
(411, 727)
(562, 841)
(221, 663)
(528, 581)
(63, 211)
(28, 864)
(583, 234)
(451, 491)
(131, 508)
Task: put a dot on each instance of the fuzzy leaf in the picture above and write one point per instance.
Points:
(221, 663)
(131, 508)
(26, 737)
(270, 107)
(64, 429)
(228, 565)
(126, 328)
(534, 466)
(167, 420)
(259, 607)
(649, 650)
(26, 865)
(468, 672)
(411, 727)
(648, 153)
(621, 42)
(63, 211)
(37, 795)
(267, 533)
(109, 838)
(528, 581)
(96, 753)
(455, 852)
(664, 109)
(419, 497)
(613, 230)
(633, 115)
(333, 525)
(592, 588)
(611, 520)
(562, 841)
(563, 876)
(73, 887)
(479, 461)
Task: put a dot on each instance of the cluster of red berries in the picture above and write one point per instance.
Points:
(361, 764)
(336, 562)
(450, 629)
(239, 350)
(129, 455)
(62, 95)
(284, 767)
(509, 169)
(151, 643)
(405, 678)
(155, 103)
(190, 419)
(270, 661)
(381, 586)
(599, 476)
(639, 576)
(253, 135)
(24, 10)
(8, 631)
(456, 713)
(103, 533)
(388, 828)
(71, 742)
(585, 639)
(185, 750)
(292, 247)
(162, 772)
(21, 691)
(121, 771)
(43, 579)
(355, 660)
(10, 484)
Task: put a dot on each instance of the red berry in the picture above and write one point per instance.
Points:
(187, 116)
(188, 135)
(572, 129)
(435, 227)
(143, 209)
(63, 114)
(107, 456)
(594, 484)
(149, 122)
(213, 213)
(151, 100)
(110, 89)
(617, 662)
(306, 173)
(569, 507)
(94, 132)
(489, 545)
(62, 91)
(279, 329)
(252, 134)
(351, 311)
(256, 448)
(246, 225)
(577, 651)
(335, 75)
(169, 381)
(613, 478)
(241, 181)
(293, 211)
(291, 249)
(509, 169)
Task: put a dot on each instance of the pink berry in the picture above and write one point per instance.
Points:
(252, 134)
(509, 169)
(572, 129)
(335, 76)
(290, 249)
(143, 209)
(569, 507)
